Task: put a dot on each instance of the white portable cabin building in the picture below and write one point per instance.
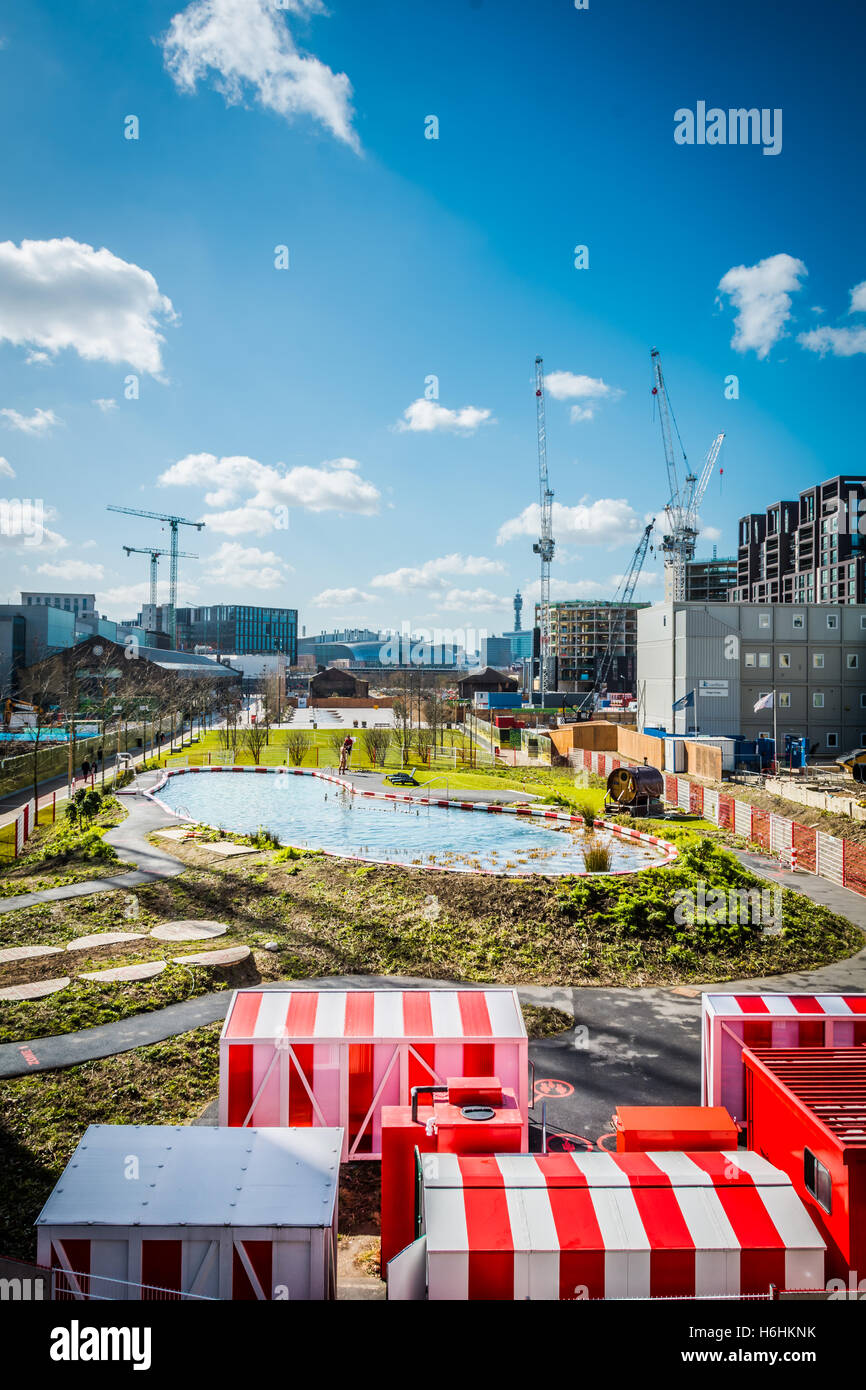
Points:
(336, 1057)
(195, 1212)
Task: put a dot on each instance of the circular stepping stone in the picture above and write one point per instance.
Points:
(27, 953)
(232, 956)
(103, 938)
(145, 971)
(37, 990)
(188, 929)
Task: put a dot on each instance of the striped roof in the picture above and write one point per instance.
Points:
(708, 1205)
(373, 1015)
(782, 1005)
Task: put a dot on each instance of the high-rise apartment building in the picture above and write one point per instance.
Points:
(808, 551)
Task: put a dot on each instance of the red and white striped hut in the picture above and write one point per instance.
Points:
(732, 1021)
(597, 1225)
(335, 1057)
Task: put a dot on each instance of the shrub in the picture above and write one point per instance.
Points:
(587, 810)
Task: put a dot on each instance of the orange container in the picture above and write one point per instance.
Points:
(642, 1128)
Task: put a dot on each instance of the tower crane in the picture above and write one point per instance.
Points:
(154, 552)
(622, 600)
(681, 511)
(174, 523)
(545, 545)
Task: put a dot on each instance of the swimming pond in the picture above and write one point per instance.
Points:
(315, 813)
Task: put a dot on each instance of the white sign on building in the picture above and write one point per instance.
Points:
(713, 689)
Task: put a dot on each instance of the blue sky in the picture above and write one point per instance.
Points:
(287, 406)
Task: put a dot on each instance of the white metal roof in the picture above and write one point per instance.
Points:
(198, 1176)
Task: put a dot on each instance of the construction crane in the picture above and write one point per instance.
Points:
(618, 613)
(545, 545)
(174, 523)
(154, 554)
(681, 511)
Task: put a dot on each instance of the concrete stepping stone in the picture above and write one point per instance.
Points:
(27, 953)
(144, 971)
(232, 956)
(103, 938)
(175, 832)
(37, 990)
(188, 929)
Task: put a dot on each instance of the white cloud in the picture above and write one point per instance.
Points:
(335, 485)
(75, 571)
(840, 342)
(6, 469)
(569, 386)
(761, 294)
(710, 533)
(609, 521)
(64, 294)
(423, 416)
(245, 567)
(36, 358)
(105, 404)
(125, 600)
(88, 545)
(858, 298)
(340, 598)
(473, 600)
(40, 422)
(432, 574)
(246, 44)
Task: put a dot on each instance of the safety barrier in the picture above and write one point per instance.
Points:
(839, 860)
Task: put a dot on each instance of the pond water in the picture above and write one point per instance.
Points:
(310, 813)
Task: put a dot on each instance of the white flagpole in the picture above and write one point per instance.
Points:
(775, 740)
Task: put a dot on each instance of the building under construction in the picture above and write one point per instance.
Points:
(580, 630)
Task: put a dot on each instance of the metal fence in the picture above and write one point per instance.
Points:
(68, 1285)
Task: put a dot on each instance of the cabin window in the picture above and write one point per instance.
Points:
(798, 621)
(832, 621)
(763, 620)
(816, 1179)
(832, 740)
(784, 660)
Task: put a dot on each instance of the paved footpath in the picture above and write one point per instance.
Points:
(637, 1046)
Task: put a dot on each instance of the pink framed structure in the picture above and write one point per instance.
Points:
(731, 1022)
(333, 1058)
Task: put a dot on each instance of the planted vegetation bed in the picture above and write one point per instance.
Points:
(68, 850)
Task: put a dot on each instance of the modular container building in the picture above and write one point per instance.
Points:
(194, 1212)
(336, 1057)
(806, 1112)
(731, 1022)
(596, 1225)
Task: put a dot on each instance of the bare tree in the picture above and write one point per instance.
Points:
(254, 740)
(376, 743)
(298, 745)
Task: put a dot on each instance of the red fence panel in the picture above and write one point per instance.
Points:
(587, 757)
(855, 867)
(761, 827)
(804, 844)
(671, 791)
(726, 812)
(696, 799)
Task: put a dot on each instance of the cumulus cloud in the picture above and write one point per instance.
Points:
(840, 342)
(761, 294)
(6, 469)
(340, 598)
(105, 404)
(474, 600)
(423, 417)
(40, 422)
(245, 567)
(570, 386)
(609, 521)
(336, 485)
(245, 46)
(74, 571)
(434, 574)
(64, 294)
(599, 588)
